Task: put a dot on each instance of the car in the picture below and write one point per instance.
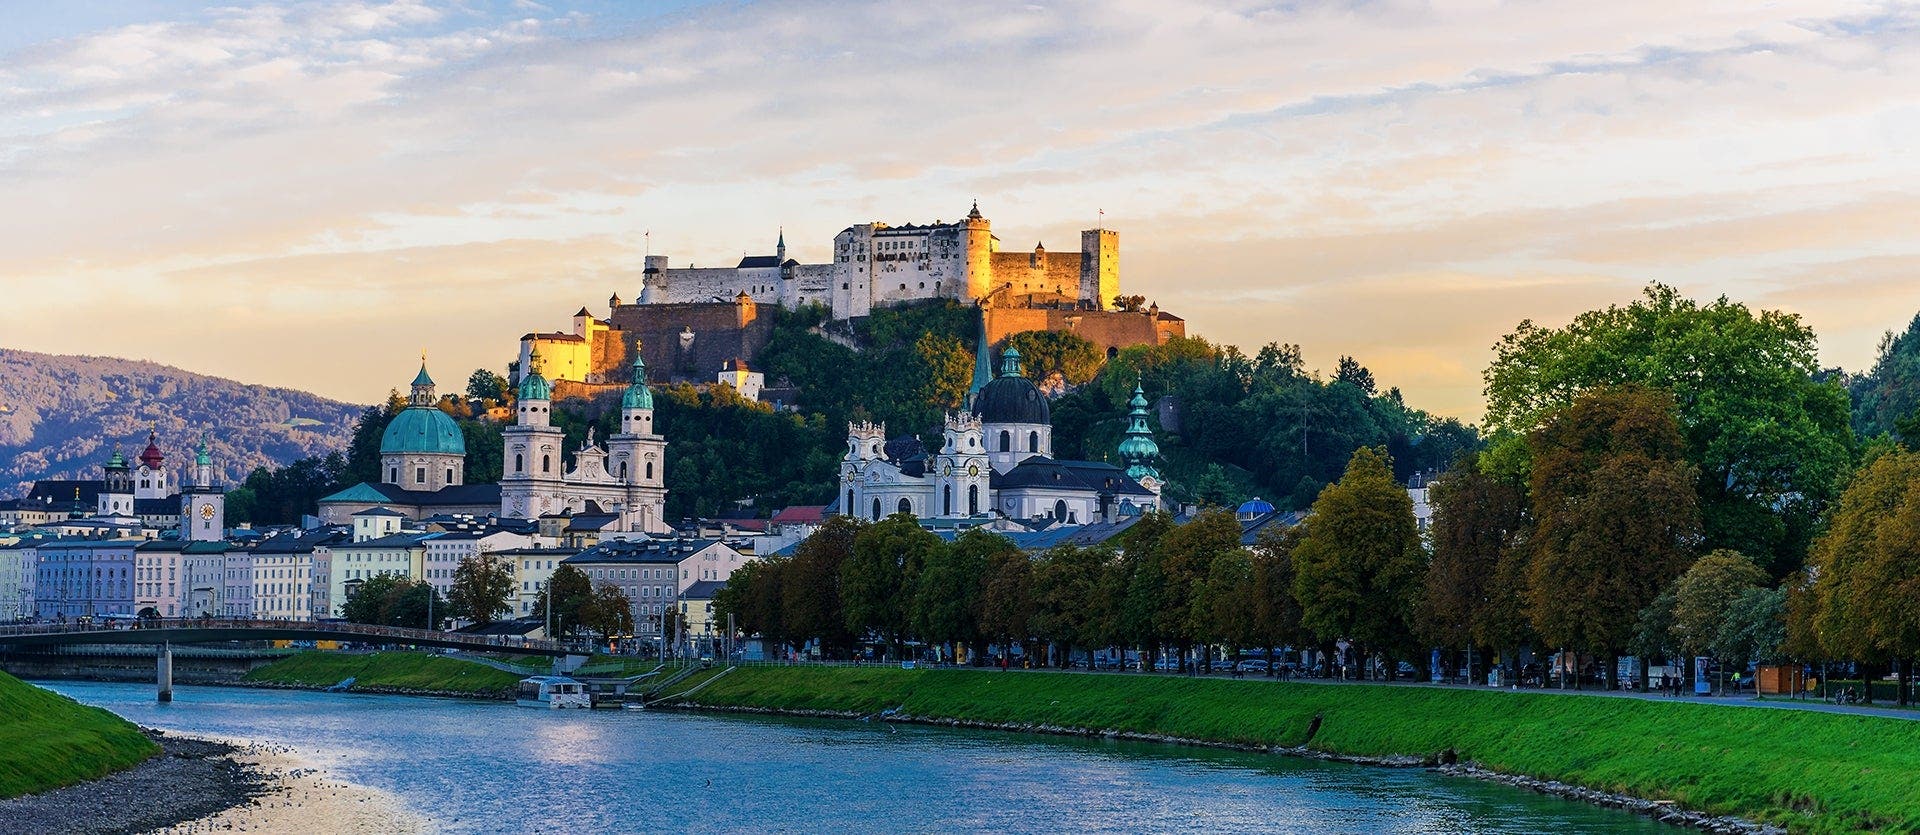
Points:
(1252, 665)
(1405, 669)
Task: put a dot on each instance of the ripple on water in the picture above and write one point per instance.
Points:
(490, 767)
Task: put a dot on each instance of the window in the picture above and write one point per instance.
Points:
(546, 463)
(1060, 510)
(393, 475)
(649, 469)
(449, 475)
(623, 471)
(946, 500)
(973, 499)
(1006, 441)
(876, 510)
(905, 506)
(419, 475)
(518, 465)
(1033, 441)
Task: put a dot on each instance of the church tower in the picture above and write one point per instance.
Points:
(150, 479)
(116, 488)
(422, 448)
(1138, 450)
(203, 504)
(533, 474)
(962, 470)
(638, 457)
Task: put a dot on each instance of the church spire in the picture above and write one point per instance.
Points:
(1138, 450)
(422, 385)
(982, 363)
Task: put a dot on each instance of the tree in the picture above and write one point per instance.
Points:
(1046, 353)
(1351, 372)
(1187, 555)
(1129, 304)
(751, 597)
(1358, 566)
(485, 386)
(1891, 390)
(1755, 628)
(370, 602)
(811, 606)
(1276, 612)
(609, 612)
(1615, 514)
(1865, 568)
(482, 589)
(947, 369)
(1768, 434)
(565, 599)
(1066, 588)
(1006, 599)
(1705, 595)
(877, 579)
(1478, 523)
(1224, 608)
(946, 600)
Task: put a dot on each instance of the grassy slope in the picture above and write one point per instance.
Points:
(48, 740)
(1811, 771)
(408, 670)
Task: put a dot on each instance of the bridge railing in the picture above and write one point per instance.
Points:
(369, 632)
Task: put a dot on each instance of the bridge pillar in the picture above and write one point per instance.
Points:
(165, 665)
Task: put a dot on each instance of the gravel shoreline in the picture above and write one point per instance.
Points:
(190, 779)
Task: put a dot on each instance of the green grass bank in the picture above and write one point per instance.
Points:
(48, 740)
(389, 671)
(1808, 771)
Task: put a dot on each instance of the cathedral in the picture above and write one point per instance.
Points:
(423, 458)
(996, 461)
(625, 477)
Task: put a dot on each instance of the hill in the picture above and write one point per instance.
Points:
(61, 416)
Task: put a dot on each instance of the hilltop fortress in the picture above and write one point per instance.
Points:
(690, 322)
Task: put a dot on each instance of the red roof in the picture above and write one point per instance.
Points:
(151, 457)
(801, 514)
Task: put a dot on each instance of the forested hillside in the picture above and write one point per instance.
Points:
(61, 416)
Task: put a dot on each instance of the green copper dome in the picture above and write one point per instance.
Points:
(1139, 450)
(421, 379)
(638, 396)
(534, 386)
(203, 457)
(422, 429)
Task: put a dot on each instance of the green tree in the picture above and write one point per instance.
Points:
(811, 608)
(1359, 565)
(570, 592)
(1224, 608)
(609, 612)
(372, 601)
(878, 578)
(1865, 568)
(485, 386)
(1755, 629)
(1478, 522)
(1706, 593)
(1046, 353)
(1615, 515)
(946, 600)
(1187, 555)
(1006, 599)
(1066, 588)
(1276, 612)
(947, 370)
(752, 597)
(482, 589)
(1769, 436)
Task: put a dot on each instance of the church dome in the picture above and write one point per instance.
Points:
(151, 457)
(638, 396)
(422, 429)
(1011, 398)
(1255, 507)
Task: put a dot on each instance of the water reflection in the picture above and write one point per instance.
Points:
(486, 767)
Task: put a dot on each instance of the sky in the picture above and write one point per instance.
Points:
(308, 194)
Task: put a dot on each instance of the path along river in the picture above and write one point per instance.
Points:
(493, 767)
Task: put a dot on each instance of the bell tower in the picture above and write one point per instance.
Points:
(203, 504)
(637, 457)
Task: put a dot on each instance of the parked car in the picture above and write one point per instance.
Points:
(1253, 665)
(1406, 670)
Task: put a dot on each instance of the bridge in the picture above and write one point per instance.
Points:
(165, 632)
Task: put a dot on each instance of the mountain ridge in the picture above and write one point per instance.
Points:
(63, 415)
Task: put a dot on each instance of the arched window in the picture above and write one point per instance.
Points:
(449, 475)
(876, 510)
(1060, 510)
(946, 503)
(518, 464)
(1006, 441)
(649, 469)
(546, 463)
(905, 506)
(973, 499)
(1033, 441)
(848, 508)
(623, 471)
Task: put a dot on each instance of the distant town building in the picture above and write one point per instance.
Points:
(654, 573)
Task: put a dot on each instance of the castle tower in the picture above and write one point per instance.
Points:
(1099, 268)
(976, 242)
(116, 489)
(533, 471)
(780, 249)
(150, 479)
(653, 281)
(637, 457)
(203, 504)
(962, 470)
(1138, 450)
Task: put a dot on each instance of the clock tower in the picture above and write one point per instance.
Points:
(203, 504)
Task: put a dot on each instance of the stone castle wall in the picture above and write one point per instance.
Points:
(1108, 330)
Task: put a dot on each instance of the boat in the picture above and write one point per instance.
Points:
(552, 692)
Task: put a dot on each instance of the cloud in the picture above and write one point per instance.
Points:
(1402, 182)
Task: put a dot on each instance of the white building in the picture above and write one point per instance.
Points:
(532, 568)
(743, 378)
(16, 580)
(445, 551)
(626, 477)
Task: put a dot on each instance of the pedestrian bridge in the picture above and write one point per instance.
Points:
(203, 630)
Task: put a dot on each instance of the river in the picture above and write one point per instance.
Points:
(494, 767)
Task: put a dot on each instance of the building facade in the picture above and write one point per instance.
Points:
(625, 477)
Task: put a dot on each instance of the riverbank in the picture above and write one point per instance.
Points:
(294, 798)
(188, 779)
(1812, 772)
(396, 673)
(48, 740)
